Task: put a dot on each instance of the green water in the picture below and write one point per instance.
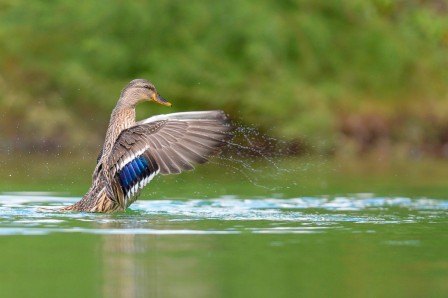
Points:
(308, 229)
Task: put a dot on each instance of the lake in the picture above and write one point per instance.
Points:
(289, 228)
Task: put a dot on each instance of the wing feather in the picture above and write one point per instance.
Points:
(172, 142)
(189, 154)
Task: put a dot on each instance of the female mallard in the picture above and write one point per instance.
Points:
(134, 152)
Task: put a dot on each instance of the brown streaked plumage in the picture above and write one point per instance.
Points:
(134, 152)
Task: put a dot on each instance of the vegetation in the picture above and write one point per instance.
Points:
(338, 77)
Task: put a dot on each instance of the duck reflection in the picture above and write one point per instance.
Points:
(148, 265)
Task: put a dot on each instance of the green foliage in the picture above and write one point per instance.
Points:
(293, 68)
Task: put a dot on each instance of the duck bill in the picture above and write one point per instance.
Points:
(159, 99)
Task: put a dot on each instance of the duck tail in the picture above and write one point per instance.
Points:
(95, 200)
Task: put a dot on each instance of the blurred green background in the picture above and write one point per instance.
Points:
(332, 78)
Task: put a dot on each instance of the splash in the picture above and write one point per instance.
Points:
(253, 154)
(225, 215)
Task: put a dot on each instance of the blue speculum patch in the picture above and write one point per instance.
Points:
(133, 172)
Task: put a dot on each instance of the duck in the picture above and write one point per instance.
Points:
(134, 153)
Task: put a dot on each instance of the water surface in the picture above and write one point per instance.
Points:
(304, 229)
(342, 246)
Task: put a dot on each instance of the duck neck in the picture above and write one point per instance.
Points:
(122, 117)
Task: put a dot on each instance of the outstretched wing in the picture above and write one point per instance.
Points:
(166, 144)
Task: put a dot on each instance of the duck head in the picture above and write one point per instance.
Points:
(140, 90)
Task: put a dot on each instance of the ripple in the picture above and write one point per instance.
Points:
(226, 215)
(47, 231)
